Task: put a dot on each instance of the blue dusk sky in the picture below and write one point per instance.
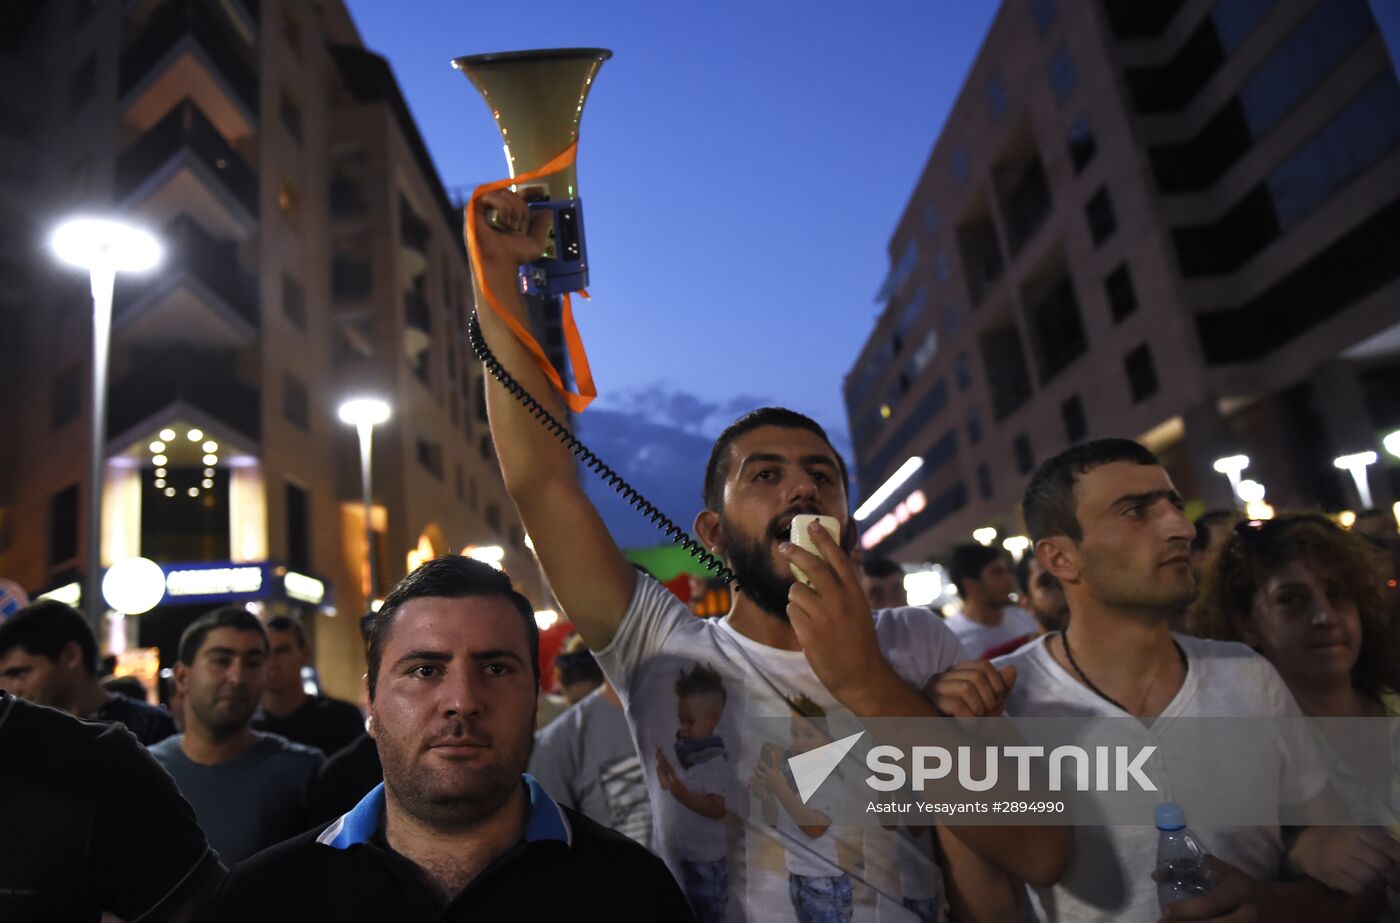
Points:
(742, 168)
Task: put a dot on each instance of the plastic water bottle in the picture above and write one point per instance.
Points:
(1182, 870)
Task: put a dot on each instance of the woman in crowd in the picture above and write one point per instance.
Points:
(1302, 591)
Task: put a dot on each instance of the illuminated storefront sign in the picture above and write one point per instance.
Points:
(215, 581)
(307, 589)
(888, 524)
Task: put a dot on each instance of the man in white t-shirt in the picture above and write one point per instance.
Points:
(1107, 523)
(985, 581)
(781, 640)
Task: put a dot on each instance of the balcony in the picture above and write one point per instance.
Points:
(166, 380)
(189, 49)
(413, 231)
(201, 294)
(183, 164)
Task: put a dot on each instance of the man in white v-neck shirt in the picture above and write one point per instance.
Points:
(697, 691)
(1107, 523)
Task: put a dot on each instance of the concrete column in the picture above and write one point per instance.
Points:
(1340, 402)
(1208, 437)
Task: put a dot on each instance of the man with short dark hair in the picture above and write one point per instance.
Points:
(317, 721)
(1044, 598)
(91, 826)
(249, 789)
(457, 831)
(883, 582)
(983, 578)
(48, 655)
(1107, 523)
(781, 639)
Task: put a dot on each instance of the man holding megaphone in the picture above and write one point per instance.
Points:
(783, 641)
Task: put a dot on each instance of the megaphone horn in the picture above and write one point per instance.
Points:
(536, 98)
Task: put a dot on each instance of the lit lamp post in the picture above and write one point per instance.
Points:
(1392, 443)
(365, 413)
(1356, 465)
(1231, 466)
(104, 248)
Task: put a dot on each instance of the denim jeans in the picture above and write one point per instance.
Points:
(821, 899)
(706, 886)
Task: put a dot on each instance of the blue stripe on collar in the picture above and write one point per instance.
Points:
(547, 820)
(360, 823)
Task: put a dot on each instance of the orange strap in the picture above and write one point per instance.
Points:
(587, 390)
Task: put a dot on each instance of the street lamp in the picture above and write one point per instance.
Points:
(1231, 466)
(1356, 465)
(103, 247)
(985, 535)
(1392, 443)
(365, 413)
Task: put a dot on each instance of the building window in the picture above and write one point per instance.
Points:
(473, 500)
(1076, 427)
(298, 527)
(930, 219)
(430, 457)
(1142, 376)
(63, 526)
(290, 114)
(1099, 211)
(293, 301)
(485, 448)
(493, 518)
(961, 170)
(1062, 75)
(296, 407)
(1082, 146)
(460, 482)
(961, 372)
(952, 321)
(1043, 12)
(1122, 299)
(289, 200)
(1025, 459)
(940, 267)
(81, 86)
(996, 97)
(291, 29)
(984, 481)
(974, 426)
(67, 395)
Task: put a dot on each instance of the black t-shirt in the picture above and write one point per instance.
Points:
(89, 822)
(327, 724)
(151, 724)
(345, 779)
(599, 875)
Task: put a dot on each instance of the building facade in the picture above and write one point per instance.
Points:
(1173, 221)
(311, 255)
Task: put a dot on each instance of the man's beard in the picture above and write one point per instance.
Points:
(752, 562)
(753, 569)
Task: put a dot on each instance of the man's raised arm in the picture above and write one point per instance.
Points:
(589, 575)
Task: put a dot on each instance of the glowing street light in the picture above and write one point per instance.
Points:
(1250, 491)
(1392, 443)
(1231, 466)
(1017, 545)
(103, 247)
(1356, 465)
(985, 535)
(365, 413)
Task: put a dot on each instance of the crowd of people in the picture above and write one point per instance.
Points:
(660, 792)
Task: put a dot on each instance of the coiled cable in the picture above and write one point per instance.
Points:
(590, 460)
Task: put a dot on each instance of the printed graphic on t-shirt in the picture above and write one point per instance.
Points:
(625, 791)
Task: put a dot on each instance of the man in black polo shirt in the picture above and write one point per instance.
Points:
(317, 721)
(457, 831)
(48, 655)
(89, 823)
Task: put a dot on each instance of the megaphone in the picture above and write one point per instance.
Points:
(536, 98)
